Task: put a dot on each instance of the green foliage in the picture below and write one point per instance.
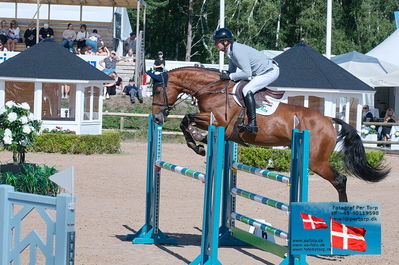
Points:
(280, 159)
(108, 142)
(356, 25)
(32, 179)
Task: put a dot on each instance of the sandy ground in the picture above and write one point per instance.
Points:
(110, 193)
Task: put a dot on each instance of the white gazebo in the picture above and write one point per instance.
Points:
(62, 90)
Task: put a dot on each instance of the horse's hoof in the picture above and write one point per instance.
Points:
(200, 149)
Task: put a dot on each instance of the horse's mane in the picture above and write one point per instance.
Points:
(196, 68)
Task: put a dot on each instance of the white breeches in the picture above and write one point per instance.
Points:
(261, 81)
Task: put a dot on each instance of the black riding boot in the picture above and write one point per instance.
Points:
(251, 113)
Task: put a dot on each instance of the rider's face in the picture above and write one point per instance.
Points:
(220, 46)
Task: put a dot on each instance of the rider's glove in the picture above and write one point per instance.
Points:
(224, 75)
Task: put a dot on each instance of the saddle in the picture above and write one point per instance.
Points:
(260, 96)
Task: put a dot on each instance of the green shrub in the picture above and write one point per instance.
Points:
(280, 159)
(32, 179)
(108, 142)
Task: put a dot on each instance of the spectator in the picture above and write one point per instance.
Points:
(46, 33)
(94, 39)
(30, 35)
(109, 63)
(81, 37)
(130, 43)
(386, 130)
(13, 35)
(2, 47)
(89, 50)
(129, 56)
(367, 115)
(68, 37)
(102, 51)
(132, 90)
(111, 88)
(159, 63)
(3, 31)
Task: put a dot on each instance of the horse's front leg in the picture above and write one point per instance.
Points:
(192, 134)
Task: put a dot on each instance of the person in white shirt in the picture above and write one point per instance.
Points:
(13, 35)
(81, 37)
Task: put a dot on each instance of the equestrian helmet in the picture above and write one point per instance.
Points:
(223, 34)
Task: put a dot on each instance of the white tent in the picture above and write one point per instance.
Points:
(388, 49)
(389, 80)
(364, 67)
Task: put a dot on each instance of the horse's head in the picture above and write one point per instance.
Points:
(164, 97)
(168, 86)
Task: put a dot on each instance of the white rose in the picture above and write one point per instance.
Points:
(25, 106)
(7, 140)
(24, 119)
(26, 129)
(2, 110)
(31, 117)
(8, 132)
(10, 104)
(12, 116)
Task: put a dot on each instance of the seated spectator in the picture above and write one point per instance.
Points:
(130, 43)
(3, 31)
(13, 35)
(30, 35)
(2, 47)
(89, 50)
(111, 88)
(68, 37)
(94, 39)
(132, 90)
(366, 114)
(386, 130)
(81, 37)
(46, 33)
(129, 56)
(109, 63)
(102, 51)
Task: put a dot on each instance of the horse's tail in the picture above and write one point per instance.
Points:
(355, 156)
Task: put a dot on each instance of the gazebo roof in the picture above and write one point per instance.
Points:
(304, 67)
(49, 61)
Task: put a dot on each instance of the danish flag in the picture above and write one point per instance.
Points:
(313, 222)
(347, 237)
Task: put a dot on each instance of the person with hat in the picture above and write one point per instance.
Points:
(159, 63)
(132, 90)
(255, 66)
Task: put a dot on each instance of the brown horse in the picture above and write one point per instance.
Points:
(274, 130)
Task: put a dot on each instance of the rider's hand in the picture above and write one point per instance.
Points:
(224, 75)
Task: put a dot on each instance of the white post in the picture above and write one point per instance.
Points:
(221, 24)
(37, 21)
(328, 29)
(38, 100)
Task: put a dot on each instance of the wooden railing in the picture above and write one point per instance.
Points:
(386, 124)
(143, 115)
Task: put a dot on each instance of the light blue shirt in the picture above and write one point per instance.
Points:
(250, 61)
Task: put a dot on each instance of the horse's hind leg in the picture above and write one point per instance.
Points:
(324, 169)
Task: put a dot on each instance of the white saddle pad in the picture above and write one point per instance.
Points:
(266, 108)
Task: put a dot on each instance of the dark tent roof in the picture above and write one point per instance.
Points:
(49, 60)
(304, 67)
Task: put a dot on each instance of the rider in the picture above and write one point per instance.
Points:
(255, 66)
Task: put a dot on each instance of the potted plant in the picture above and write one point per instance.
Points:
(17, 129)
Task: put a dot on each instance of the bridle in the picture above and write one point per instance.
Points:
(168, 107)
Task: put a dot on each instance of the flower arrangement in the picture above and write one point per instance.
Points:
(17, 129)
(368, 130)
(59, 129)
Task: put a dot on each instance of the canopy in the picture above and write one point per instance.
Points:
(364, 67)
(116, 3)
(389, 80)
(388, 49)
